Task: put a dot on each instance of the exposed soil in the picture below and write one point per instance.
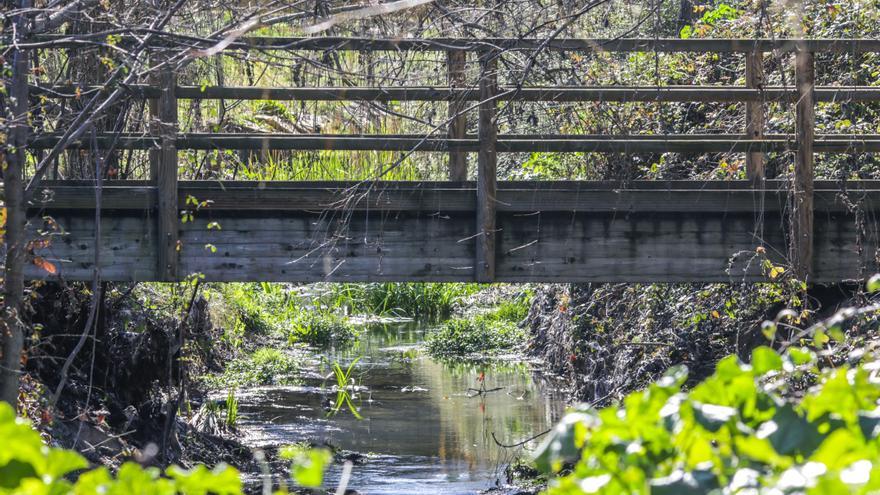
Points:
(125, 381)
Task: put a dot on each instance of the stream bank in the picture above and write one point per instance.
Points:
(607, 340)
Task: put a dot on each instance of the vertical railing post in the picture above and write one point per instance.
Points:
(166, 177)
(487, 168)
(755, 116)
(456, 63)
(802, 195)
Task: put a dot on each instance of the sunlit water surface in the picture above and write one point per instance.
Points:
(421, 430)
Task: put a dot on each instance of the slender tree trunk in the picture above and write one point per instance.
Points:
(13, 325)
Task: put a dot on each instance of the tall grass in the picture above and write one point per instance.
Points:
(427, 301)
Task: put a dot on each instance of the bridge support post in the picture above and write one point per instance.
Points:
(755, 116)
(166, 177)
(487, 169)
(801, 246)
(456, 61)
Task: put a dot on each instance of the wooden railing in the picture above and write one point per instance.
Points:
(481, 97)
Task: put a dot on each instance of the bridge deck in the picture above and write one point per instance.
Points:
(397, 231)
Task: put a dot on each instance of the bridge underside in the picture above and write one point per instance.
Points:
(655, 231)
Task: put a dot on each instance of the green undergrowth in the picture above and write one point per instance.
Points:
(481, 335)
(320, 328)
(780, 424)
(265, 366)
(493, 332)
(423, 301)
(29, 467)
(277, 311)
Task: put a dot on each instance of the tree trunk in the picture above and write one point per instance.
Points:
(13, 325)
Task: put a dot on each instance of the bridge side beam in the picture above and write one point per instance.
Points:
(801, 243)
(487, 163)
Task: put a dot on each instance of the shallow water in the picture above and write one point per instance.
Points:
(422, 431)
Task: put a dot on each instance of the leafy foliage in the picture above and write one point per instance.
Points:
(266, 366)
(423, 301)
(320, 328)
(29, 467)
(745, 429)
(468, 337)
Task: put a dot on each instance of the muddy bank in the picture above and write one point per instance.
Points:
(127, 381)
(606, 340)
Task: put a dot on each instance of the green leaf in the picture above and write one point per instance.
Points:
(561, 444)
(60, 462)
(308, 467)
(685, 483)
(712, 417)
(873, 284)
(790, 433)
(765, 359)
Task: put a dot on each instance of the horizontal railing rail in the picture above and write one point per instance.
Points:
(599, 143)
(721, 94)
(669, 45)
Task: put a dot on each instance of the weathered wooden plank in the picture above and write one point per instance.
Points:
(721, 143)
(456, 62)
(801, 244)
(325, 43)
(459, 92)
(166, 179)
(439, 197)
(646, 246)
(755, 115)
(487, 173)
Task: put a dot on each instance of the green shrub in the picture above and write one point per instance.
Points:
(513, 310)
(320, 328)
(266, 366)
(469, 337)
(28, 467)
(745, 429)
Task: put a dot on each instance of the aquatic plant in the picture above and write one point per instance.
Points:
(472, 337)
(231, 410)
(265, 366)
(320, 328)
(425, 301)
(344, 384)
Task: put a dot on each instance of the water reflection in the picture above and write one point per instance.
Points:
(423, 432)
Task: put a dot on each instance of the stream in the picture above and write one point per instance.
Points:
(422, 431)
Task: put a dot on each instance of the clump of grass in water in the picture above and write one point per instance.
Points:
(478, 336)
(415, 300)
(490, 333)
(266, 366)
(320, 328)
(231, 410)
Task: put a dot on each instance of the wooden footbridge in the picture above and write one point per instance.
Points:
(483, 230)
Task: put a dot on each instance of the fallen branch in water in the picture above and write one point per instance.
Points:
(520, 444)
(482, 391)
